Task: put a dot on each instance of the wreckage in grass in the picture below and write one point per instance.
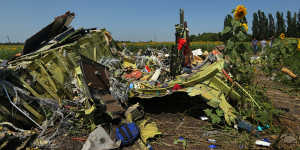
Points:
(84, 71)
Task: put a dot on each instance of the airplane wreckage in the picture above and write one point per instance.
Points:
(69, 79)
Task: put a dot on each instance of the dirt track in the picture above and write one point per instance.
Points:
(284, 100)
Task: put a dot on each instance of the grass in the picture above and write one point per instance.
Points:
(8, 51)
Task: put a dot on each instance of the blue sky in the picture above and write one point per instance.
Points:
(128, 19)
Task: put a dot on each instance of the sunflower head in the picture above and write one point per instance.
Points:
(240, 12)
(245, 26)
(282, 36)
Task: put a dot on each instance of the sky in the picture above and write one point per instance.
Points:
(134, 20)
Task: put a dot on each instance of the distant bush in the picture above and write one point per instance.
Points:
(206, 37)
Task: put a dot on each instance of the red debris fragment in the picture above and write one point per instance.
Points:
(81, 139)
(147, 68)
(134, 74)
(181, 42)
(176, 87)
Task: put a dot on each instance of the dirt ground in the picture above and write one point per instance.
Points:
(177, 118)
(283, 98)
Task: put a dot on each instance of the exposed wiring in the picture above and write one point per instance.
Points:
(20, 110)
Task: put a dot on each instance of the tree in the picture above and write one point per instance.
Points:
(298, 24)
(294, 25)
(280, 25)
(255, 28)
(227, 20)
(206, 37)
(260, 25)
(193, 38)
(263, 25)
(271, 26)
(289, 24)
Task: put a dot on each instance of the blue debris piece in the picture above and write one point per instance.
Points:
(212, 146)
(260, 128)
(131, 86)
(245, 125)
(149, 147)
(266, 140)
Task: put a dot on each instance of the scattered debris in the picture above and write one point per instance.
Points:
(289, 140)
(211, 140)
(203, 118)
(262, 143)
(80, 80)
(289, 72)
(134, 113)
(127, 133)
(100, 140)
(212, 146)
(181, 140)
(148, 130)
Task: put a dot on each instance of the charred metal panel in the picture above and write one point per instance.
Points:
(94, 74)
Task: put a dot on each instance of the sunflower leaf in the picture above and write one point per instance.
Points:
(241, 36)
(226, 30)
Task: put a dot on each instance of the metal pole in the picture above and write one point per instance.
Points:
(181, 16)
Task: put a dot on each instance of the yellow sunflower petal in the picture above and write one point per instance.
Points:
(240, 12)
(282, 36)
(245, 26)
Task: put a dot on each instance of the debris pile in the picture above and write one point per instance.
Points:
(71, 82)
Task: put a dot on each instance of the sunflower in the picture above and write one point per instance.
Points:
(282, 36)
(298, 45)
(245, 26)
(240, 12)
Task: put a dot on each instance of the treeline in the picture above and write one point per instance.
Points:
(211, 37)
(216, 36)
(264, 27)
(12, 43)
(206, 37)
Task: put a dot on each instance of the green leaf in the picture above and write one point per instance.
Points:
(292, 41)
(214, 118)
(235, 23)
(241, 36)
(208, 112)
(213, 103)
(226, 30)
(229, 45)
(219, 112)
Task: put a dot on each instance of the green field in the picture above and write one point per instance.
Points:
(8, 51)
(204, 45)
